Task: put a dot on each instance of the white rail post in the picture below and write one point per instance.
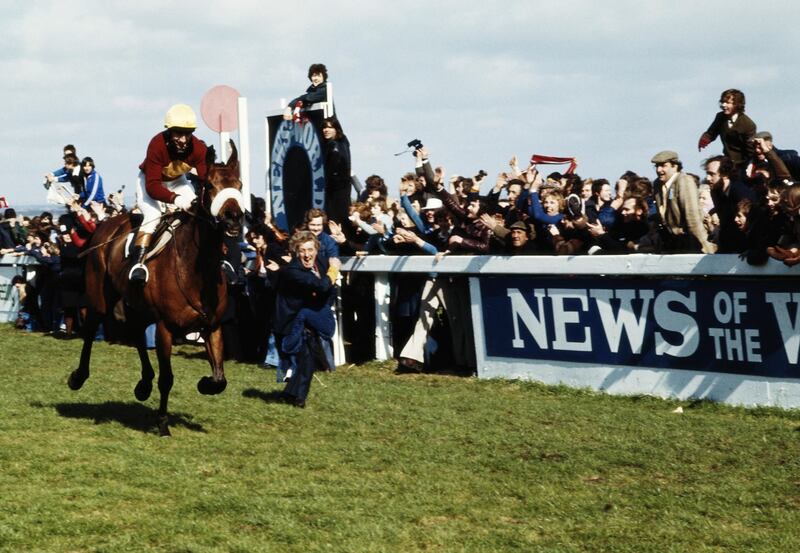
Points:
(244, 151)
(383, 328)
(224, 148)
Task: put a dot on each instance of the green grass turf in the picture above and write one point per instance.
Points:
(378, 462)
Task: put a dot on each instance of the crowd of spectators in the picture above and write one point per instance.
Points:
(745, 203)
(51, 298)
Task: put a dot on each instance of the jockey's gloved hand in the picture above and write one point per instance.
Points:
(183, 201)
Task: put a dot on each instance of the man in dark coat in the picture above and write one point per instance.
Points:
(733, 127)
(727, 191)
(303, 316)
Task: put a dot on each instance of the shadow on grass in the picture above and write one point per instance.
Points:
(132, 415)
(187, 354)
(275, 396)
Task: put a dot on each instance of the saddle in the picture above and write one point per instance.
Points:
(161, 236)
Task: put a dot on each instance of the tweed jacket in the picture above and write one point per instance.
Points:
(681, 210)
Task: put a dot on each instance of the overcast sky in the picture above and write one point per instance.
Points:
(608, 82)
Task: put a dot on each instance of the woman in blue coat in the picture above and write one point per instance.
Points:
(92, 184)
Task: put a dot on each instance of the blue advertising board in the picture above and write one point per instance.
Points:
(723, 325)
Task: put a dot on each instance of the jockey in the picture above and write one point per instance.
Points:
(171, 154)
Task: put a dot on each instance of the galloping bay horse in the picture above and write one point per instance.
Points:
(186, 290)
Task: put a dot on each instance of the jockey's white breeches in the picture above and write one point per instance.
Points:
(152, 209)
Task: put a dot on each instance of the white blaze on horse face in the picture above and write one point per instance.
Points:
(223, 196)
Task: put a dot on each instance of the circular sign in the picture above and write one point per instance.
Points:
(289, 203)
(220, 108)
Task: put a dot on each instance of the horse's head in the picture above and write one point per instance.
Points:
(222, 193)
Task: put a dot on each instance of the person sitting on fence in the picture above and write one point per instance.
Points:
(70, 168)
(92, 190)
(171, 155)
(317, 92)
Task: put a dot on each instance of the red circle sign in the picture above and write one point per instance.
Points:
(220, 107)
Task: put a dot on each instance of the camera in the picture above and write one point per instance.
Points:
(480, 175)
(416, 144)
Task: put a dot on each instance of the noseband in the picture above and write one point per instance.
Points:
(223, 196)
(219, 200)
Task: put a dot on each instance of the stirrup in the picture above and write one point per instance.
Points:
(139, 273)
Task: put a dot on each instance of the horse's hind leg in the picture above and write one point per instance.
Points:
(216, 383)
(144, 387)
(79, 375)
(165, 378)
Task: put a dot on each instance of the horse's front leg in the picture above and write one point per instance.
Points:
(79, 375)
(216, 383)
(165, 377)
(145, 385)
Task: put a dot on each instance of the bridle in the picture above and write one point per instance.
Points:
(211, 208)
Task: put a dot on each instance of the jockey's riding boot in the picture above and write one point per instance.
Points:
(139, 273)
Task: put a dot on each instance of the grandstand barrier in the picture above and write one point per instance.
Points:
(674, 326)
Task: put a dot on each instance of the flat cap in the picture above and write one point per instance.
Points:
(766, 135)
(522, 225)
(665, 156)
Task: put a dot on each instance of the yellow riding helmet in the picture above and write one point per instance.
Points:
(181, 116)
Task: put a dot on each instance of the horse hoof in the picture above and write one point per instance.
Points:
(143, 390)
(208, 386)
(76, 380)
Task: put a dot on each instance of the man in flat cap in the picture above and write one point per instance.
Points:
(678, 206)
(519, 240)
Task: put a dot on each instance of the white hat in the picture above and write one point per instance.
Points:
(433, 203)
